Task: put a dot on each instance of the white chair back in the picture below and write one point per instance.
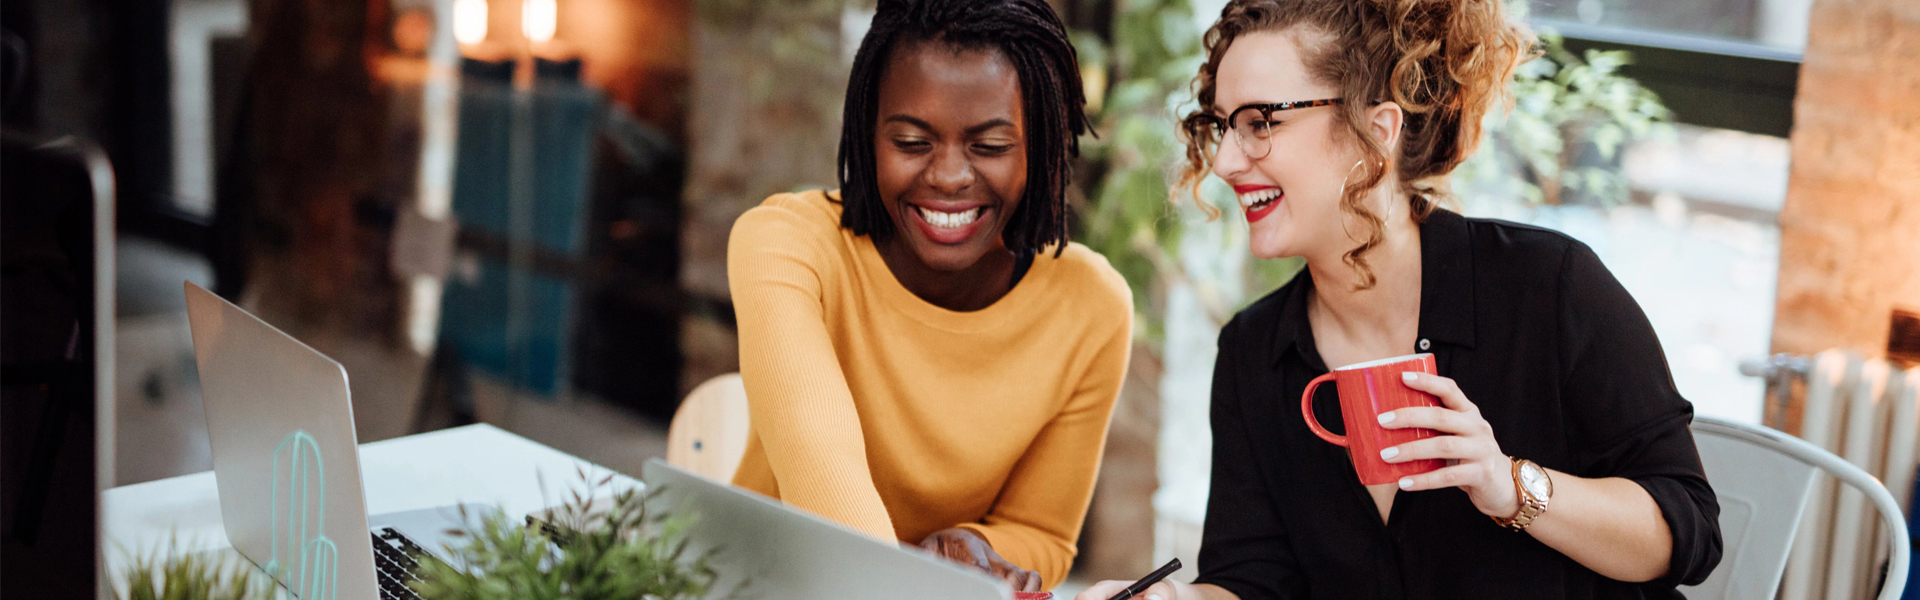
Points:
(1763, 478)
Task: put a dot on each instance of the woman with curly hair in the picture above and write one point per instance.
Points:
(1569, 470)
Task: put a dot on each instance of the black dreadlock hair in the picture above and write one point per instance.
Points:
(1032, 37)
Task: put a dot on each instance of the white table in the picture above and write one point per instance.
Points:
(476, 463)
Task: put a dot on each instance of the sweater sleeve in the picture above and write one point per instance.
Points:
(801, 408)
(1036, 521)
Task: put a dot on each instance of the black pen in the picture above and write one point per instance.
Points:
(1148, 581)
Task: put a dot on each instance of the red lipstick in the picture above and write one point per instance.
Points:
(1255, 214)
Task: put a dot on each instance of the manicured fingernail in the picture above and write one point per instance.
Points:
(1409, 376)
(1386, 417)
(1406, 483)
(1390, 452)
(1154, 597)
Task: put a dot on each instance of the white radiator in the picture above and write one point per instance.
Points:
(1867, 412)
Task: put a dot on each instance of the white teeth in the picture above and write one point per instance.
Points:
(946, 220)
(1251, 199)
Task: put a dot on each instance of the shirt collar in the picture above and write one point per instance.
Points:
(1446, 291)
(1293, 316)
(1446, 279)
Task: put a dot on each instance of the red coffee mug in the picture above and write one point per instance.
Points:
(1366, 390)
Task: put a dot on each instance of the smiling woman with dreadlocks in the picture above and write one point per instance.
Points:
(927, 358)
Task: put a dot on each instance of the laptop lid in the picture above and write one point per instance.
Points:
(285, 458)
(783, 552)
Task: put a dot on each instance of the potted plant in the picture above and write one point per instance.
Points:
(1572, 114)
(169, 573)
(589, 548)
(593, 546)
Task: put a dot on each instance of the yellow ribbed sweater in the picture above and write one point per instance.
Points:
(899, 418)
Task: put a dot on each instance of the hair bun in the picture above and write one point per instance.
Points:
(1454, 60)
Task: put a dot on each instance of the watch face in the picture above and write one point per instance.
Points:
(1534, 479)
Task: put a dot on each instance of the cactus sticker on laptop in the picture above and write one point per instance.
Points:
(304, 559)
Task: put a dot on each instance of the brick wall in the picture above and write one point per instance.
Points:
(1850, 230)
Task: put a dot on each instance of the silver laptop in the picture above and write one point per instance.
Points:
(765, 549)
(287, 464)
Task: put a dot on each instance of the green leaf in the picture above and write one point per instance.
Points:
(611, 550)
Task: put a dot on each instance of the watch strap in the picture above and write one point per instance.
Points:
(1530, 506)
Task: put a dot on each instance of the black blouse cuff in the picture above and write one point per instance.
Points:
(1241, 589)
(1696, 536)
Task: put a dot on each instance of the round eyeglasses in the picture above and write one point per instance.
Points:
(1251, 125)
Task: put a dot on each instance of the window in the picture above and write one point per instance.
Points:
(1698, 244)
(1774, 23)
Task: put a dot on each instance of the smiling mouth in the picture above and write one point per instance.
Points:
(1259, 199)
(950, 220)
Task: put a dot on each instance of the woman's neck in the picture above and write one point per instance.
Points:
(973, 288)
(1388, 310)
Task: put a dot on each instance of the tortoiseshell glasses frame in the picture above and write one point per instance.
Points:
(1251, 124)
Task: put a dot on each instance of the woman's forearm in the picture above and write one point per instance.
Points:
(1208, 591)
(1609, 525)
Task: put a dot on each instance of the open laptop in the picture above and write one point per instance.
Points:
(765, 549)
(287, 464)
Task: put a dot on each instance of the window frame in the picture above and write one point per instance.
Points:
(1724, 84)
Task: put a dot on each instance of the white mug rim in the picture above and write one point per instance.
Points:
(1384, 361)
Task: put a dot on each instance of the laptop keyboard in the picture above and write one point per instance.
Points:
(394, 561)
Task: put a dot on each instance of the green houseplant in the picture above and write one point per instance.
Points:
(1150, 56)
(170, 573)
(1565, 104)
(593, 546)
(587, 549)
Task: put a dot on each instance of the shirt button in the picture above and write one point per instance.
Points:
(1424, 344)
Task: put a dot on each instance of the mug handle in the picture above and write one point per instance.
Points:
(1306, 409)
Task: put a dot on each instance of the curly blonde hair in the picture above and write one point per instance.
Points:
(1445, 62)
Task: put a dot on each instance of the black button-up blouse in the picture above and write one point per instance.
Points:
(1563, 365)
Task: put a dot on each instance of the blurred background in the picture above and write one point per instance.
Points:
(516, 211)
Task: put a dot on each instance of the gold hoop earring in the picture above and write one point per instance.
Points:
(1382, 165)
(1349, 175)
(1344, 217)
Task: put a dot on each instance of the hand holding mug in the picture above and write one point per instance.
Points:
(968, 548)
(1475, 463)
(1366, 391)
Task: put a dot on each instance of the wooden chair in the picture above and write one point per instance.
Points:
(709, 431)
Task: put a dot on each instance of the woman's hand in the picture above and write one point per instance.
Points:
(968, 548)
(1475, 462)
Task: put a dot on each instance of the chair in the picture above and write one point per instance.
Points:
(1763, 479)
(709, 431)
